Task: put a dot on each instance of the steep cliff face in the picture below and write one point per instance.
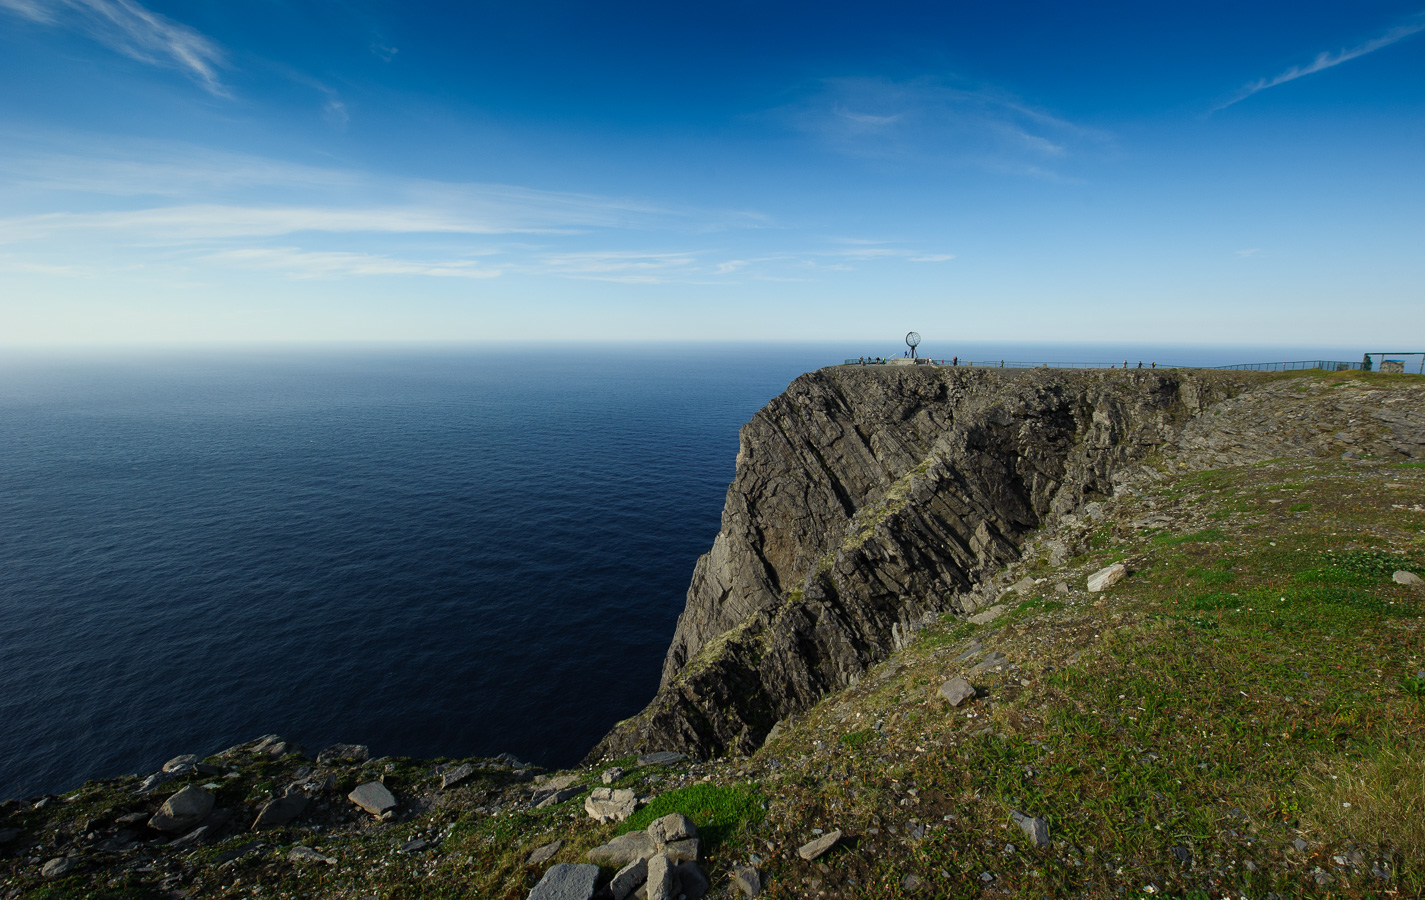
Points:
(868, 498)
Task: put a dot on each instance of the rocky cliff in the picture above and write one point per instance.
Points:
(868, 500)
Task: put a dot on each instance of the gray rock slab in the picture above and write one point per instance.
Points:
(414, 846)
(672, 827)
(1106, 577)
(183, 811)
(1035, 827)
(662, 880)
(986, 616)
(58, 867)
(280, 811)
(196, 836)
(685, 850)
(300, 854)
(993, 661)
(692, 883)
(374, 797)
(154, 782)
(629, 878)
(813, 849)
(181, 765)
(566, 881)
(456, 775)
(661, 758)
(344, 753)
(557, 797)
(542, 855)
(624, 849)
(609, 776)
(558, 782)
(747, 880)
(957, 691)
(970, 652)
(1407, 578)
(610, 804)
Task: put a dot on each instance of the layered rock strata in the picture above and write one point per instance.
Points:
(866, 500)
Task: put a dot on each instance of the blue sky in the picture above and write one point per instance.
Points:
(351, 170)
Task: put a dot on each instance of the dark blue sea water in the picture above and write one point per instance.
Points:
(438, 552)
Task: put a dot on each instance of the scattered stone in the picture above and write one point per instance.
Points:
(300, 854)
(1107, 577)
(629, 878)
(1023, 585)
(610, 805)
(183, 811)
(181, 765)
(544, 854)
(672, 827)
(984, 617)
(456, 775)
(1300, 845)
(747, 880)
(558, 797)
(239, 852)
(624, 849)
(132, 818)
(911, 883)
(280, 811)
(662, 881)
(414, 846)
(609, 776)
(1035, 827)
(374, 797)
(812, 850)
(1183, 855)
(692, 884)
(58, 867)
(1407, 578)
(343, 753)
(1061, 587)
(566, 881)
(154, 782)
(970, 652)
(661, 758)
(957, 691)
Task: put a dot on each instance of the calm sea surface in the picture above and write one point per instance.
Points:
(450, 552)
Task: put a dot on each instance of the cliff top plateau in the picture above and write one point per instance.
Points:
(960, 634)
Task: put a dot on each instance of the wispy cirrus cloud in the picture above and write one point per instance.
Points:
(932, 120)
(135, 31)
(306, 264)
(1327, 60)
(867, 249)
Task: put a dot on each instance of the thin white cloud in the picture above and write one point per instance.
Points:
(1326, 60)
(135, 31)
(934, 121)
(1250, 252)
(384, 53)
(868, 249)
(933, 257)
(307, 264)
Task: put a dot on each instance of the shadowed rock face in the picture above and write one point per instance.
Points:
(868, 498)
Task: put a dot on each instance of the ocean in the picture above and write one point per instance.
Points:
(436, 552)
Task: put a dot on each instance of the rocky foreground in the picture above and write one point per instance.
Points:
(1208, 679)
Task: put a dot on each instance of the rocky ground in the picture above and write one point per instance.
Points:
(1238, 710)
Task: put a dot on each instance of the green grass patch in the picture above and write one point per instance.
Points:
(857, 738)
(720, 812)
(1207, 535)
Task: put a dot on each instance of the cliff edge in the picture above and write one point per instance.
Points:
(868, 500)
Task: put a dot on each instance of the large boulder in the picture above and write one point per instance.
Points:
(344, 753)
(610, 804)
(280, 811)
(182, 812)
(624, 849)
